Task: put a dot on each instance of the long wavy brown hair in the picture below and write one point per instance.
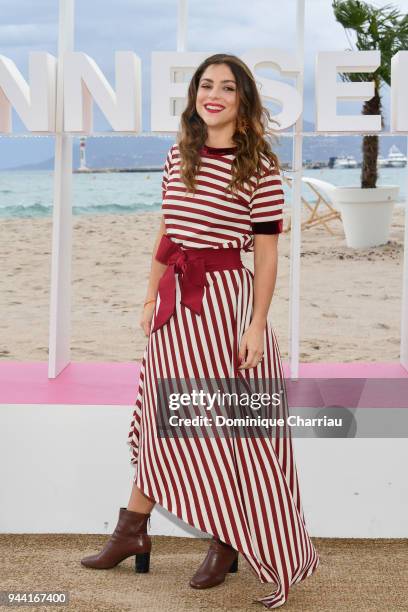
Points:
(250, 136)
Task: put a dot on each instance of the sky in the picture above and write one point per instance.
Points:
(142, 26)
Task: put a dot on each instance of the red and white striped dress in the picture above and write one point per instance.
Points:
(243, 490)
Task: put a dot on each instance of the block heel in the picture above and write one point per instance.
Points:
(142, 563)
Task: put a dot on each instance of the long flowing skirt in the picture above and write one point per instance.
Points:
(243, 490)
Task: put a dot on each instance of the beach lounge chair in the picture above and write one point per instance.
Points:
(322, 210)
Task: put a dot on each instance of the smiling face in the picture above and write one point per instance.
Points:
(217, 99)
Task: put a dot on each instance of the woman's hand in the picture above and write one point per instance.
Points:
(146, 317)
(156, 272)
(252, 346)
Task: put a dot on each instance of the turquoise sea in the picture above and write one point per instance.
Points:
(30, 193)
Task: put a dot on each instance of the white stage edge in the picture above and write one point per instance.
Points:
(66, 469)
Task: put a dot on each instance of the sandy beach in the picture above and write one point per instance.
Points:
(350, 299)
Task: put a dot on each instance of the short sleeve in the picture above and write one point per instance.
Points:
(166, 171)
(266, 205)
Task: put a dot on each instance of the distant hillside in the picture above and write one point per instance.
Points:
(102, 152)
(131, 151)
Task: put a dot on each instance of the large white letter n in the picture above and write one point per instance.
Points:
(34, 103)
(85, 82)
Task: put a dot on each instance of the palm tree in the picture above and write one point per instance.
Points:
(384, 29)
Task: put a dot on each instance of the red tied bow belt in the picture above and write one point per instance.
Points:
(192, 264)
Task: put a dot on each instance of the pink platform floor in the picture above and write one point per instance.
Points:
(111, 384)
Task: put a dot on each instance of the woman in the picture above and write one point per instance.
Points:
(206, 317)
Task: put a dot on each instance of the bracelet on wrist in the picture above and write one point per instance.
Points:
(148, 302)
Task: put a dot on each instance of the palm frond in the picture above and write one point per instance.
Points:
(384, 29)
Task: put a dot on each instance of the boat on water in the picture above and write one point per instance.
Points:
(345, 161)
(395, 159)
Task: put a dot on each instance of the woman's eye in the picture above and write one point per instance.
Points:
(226, 87)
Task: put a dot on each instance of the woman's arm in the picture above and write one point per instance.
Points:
(156, 269)
(156, 272)
(265, 272)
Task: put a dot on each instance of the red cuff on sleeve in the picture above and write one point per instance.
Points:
(268, 227)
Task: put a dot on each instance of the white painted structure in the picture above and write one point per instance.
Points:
(46, 456)
(75, 472)
(61, 255)
(60, 100)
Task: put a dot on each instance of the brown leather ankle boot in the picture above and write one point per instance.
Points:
(129, 538)
(221, 558)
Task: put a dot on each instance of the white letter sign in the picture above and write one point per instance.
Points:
(277, 91)
(399, 92)
(329, 90)
(85, 82)
(164, 88)
(34, 103)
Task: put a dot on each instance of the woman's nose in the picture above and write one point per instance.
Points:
(215, 95)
